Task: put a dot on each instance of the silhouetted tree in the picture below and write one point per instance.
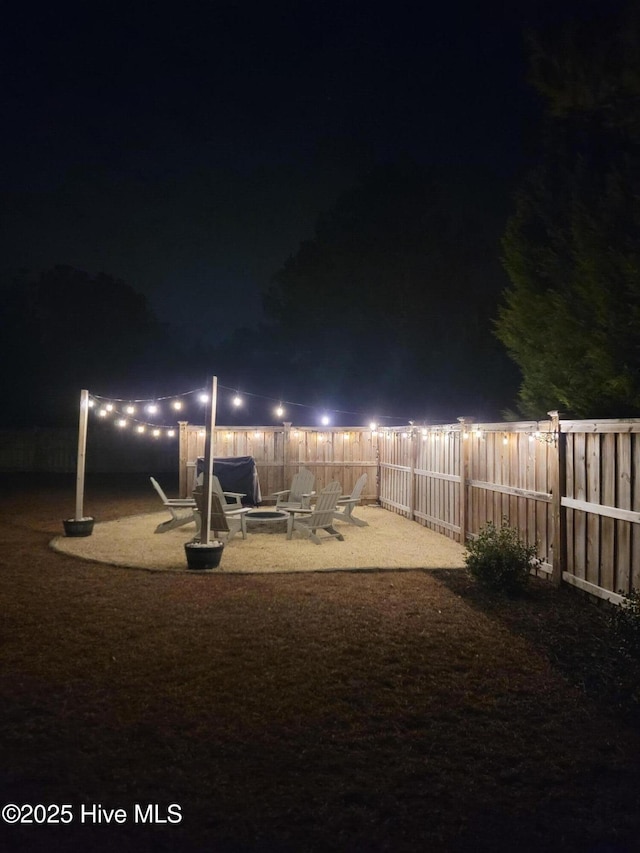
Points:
(571, 317)
(66, 330)
(392, 298)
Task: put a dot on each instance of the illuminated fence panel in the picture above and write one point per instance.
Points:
(437, 464)
(571, 488)
(331, 453)
(508, 479)
(602, 505)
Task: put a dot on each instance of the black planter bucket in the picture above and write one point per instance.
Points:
(78, 526)
(201, 557)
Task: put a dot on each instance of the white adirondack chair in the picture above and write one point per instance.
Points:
(346, 503)
(318, 517)
(232, 500)
(298, 496)
(223, 520)
(229, 500)
(182, 509)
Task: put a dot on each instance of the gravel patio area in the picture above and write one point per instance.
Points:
(390, 541)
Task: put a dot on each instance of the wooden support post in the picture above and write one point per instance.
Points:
(413, 452)
(558, 486)
(205, 532)
(183, 486)
(82, 453)
(286, 455)
(465, 462)
(378, 470)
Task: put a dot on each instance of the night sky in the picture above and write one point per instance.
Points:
(190, 152)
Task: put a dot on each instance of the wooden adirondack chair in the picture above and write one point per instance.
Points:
(346, 504)
(319, 517)
(229, 500)
(182, 509)
(298, 496)
(223, 520)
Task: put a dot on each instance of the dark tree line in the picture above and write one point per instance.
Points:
(66, 329)
(571, 317)
(390, 303)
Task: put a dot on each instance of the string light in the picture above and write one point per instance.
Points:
(124, 412)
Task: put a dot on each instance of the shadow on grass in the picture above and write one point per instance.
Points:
(571, 629)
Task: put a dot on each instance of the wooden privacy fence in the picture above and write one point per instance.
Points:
(572, 488)
(341, 454)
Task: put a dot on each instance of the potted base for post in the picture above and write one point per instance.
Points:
(78, 526)
(204, 555)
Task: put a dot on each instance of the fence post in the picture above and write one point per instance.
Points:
(465, 445)
(182, 459)
(286, 454)
(413, 453)
(558, 485)
(378, 472)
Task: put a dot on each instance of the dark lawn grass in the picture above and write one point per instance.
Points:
(392, 711)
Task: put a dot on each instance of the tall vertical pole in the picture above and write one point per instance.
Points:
(465, 450)
(205, 534)
(558, 486)
(183, 451)
(413, 453)
(286, 454)
(82, 453)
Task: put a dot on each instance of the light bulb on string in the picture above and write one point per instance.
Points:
(279, 412)
(177, 405)
(237, 401)
(152, 408)
(130, 410)
(325, 420)
(204, 398)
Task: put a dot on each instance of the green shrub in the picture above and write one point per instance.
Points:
(499, 560)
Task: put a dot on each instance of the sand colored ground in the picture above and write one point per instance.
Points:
(389, 541)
